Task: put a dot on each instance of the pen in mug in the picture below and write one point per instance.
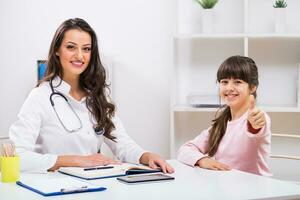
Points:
(9, 150)
(96, 168)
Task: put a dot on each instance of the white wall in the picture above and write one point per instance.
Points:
(137, 36)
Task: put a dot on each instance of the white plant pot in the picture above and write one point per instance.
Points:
(280, 20)
(207, 21)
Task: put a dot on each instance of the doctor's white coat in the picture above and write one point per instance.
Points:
(40, 137)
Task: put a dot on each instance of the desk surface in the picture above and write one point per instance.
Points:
(189, 183)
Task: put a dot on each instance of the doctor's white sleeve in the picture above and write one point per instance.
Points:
(124, 148)
(24, 133)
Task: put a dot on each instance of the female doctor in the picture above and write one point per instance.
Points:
(64, 120)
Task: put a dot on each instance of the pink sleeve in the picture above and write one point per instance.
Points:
(193, 150)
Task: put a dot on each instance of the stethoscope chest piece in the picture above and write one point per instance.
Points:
(99, 132)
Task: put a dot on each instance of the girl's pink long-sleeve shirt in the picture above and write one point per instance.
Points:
(238, 148)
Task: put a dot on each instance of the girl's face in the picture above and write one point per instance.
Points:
(74, 52)
(235, 93)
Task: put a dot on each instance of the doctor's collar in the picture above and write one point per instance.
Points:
(63, 87)
(60, 85)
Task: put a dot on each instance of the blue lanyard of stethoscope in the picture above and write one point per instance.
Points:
(53, 106)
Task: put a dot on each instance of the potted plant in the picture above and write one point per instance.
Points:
(207, 4)
(280, 15)
(280, 4)
(207, 14)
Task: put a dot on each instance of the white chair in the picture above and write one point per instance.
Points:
(285, 157)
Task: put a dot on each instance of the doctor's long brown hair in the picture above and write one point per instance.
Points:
(92, 80)
(237, 67)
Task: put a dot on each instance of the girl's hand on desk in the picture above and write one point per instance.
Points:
(155, 161)
(209, 163)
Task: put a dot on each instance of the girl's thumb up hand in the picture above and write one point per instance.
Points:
(255, 116)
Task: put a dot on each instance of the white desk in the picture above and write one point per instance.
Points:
(190, 183)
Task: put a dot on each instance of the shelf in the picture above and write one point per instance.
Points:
(238, 35)
(261, 16)
(240, 27)
(274, 35)
(207, 36)
(189, 15)
(280, 109)
(195, 67)
(277, 57)
(186, 108)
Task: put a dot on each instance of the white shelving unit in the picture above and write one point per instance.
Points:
(241, 27)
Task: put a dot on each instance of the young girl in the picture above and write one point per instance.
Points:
(240, 135)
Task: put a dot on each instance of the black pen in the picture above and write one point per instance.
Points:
(96, 168)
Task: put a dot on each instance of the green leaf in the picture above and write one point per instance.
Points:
(207, 4)
(280, 4)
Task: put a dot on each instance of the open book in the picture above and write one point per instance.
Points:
(107, 171)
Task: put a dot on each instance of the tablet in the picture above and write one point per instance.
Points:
(145, 178)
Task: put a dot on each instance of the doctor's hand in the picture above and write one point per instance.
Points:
(155, 161)
(210, 163)
(94, 160)
(82, 161)
(256, 117)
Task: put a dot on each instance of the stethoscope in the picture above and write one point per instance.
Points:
(56, 93)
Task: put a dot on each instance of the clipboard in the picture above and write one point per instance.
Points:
(59, 186)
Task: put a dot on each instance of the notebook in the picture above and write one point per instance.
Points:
(107, 171)
(49, 186)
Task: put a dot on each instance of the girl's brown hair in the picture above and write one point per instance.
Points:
(236, 67)
(92, 80)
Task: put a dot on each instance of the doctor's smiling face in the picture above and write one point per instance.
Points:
(74, 57)
(74, 53)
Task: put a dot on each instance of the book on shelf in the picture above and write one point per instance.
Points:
(107, 171)
(204, 101)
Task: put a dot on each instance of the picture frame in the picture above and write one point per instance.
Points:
(41, 69)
